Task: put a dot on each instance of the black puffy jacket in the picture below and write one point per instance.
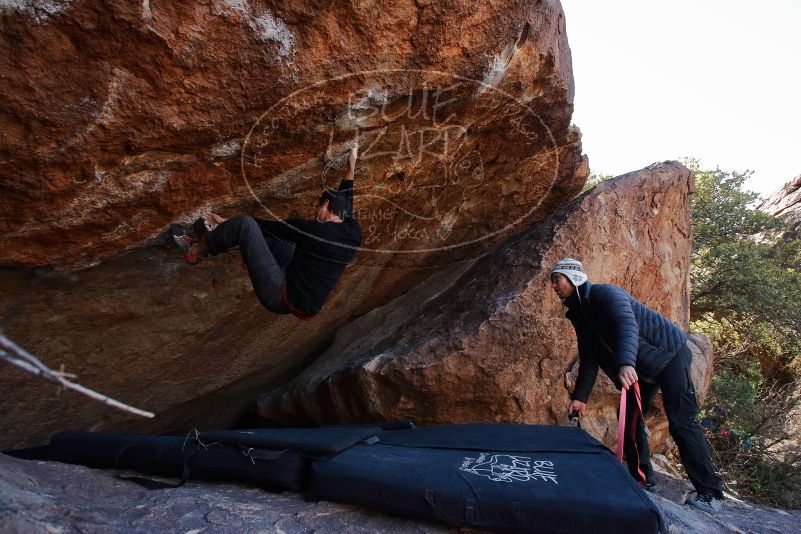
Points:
(615, 329)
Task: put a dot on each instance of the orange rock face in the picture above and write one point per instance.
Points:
(120, 118)
(488, 341)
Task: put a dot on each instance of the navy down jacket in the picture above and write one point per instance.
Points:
(615, 329)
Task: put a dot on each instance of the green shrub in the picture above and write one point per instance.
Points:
(746, 296)
(744, 423)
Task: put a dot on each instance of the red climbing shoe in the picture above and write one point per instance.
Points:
(184, 241)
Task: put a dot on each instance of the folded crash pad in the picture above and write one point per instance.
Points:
(317, 441)
(270, 458)
(499, 477)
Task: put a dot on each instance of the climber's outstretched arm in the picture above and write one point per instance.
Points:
(354, 154)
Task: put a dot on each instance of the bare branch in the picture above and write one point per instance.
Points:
(16, 355)
(22, 353)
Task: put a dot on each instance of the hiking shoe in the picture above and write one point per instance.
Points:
(649, 486)
(706, 502)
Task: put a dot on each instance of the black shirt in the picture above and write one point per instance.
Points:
(322, 251)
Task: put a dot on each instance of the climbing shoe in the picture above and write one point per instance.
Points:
(184, 241)
(706, 502)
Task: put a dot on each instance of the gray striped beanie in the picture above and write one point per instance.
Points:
(572, 269)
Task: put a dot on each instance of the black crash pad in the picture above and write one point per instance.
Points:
(270, 458)
(504, 478)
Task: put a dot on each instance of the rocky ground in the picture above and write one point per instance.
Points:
(58, 498)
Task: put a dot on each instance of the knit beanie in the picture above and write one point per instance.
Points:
(572, 269)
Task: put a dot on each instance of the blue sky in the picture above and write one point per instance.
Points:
(713, 79)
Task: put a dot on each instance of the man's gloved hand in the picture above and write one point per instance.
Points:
(627, 376)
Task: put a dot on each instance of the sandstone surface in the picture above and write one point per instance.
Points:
(120, 118)
(488, 341)
(786, 202)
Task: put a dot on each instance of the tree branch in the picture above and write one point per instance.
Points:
(19, 357)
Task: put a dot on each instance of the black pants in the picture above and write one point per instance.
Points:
(681, 407)
(265, 257)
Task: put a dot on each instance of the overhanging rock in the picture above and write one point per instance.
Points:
(120, 118)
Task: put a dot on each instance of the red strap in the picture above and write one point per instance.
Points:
(291, 309)
(621, 426)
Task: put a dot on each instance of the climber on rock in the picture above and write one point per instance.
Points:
(293, 264)
(635, 344)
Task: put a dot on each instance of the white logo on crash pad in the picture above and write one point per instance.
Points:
(508, 468)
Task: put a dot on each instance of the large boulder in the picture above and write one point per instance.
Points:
(488, 341)
(120, 118)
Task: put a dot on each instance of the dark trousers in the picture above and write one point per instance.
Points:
(265, 257)
(681, 407)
